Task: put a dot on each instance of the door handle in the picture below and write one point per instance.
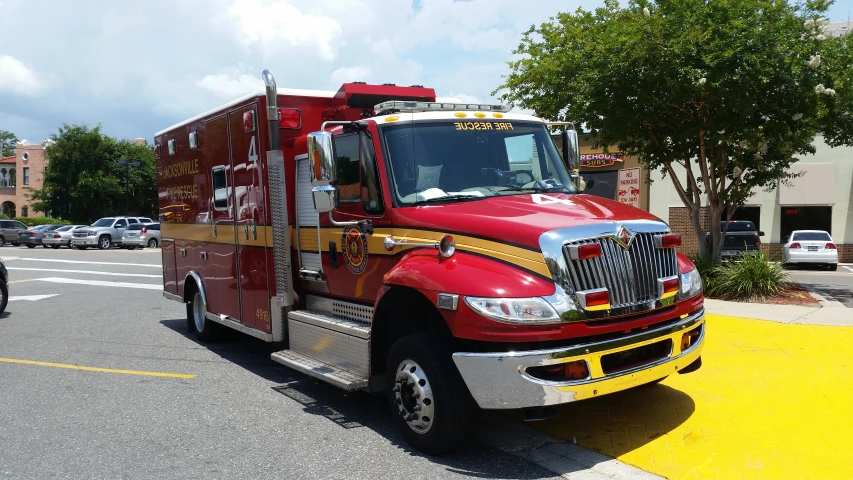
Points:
(254, 232)
(214, 230)
(246, 231)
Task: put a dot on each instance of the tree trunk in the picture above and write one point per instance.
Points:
(696, 222)
(716, 240)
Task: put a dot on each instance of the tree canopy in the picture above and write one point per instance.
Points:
(732, 91)
(84, 180)
(8, 140)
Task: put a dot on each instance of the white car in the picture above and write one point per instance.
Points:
(813, 247)
(61, 236)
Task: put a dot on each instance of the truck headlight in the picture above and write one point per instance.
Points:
(514, 310)
(691, 284)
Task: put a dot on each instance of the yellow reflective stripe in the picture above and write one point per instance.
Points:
(203, 232)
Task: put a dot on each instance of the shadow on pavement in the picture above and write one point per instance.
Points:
(619, 423)
(352, 409)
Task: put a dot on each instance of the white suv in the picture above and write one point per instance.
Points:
(103, 234)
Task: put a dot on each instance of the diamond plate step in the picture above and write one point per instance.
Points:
(324, 320)
(309, 366)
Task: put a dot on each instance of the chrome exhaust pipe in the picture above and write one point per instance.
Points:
(272, 109)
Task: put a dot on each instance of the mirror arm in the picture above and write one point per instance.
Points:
(366, 225)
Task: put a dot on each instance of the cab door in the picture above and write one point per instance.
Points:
(250, 219)
(355, 268)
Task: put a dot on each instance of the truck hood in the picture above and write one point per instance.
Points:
(517, 219)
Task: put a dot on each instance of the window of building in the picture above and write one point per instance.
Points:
(26, 176)
(805, 218)
(25, 211)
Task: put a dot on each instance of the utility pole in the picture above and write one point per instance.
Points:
(122, 162)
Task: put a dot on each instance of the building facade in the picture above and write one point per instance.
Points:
(20, 174)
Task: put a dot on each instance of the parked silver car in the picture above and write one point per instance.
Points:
(103, 234)
(9, 231)
(141, 235)
(32, 237)
(61, 236)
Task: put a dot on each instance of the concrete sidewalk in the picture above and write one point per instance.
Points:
(820, 315)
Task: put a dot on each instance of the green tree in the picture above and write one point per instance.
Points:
(7, 143)
(84, 181)
(732, 91)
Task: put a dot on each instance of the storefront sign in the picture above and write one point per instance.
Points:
(598, 160)
(628, 187)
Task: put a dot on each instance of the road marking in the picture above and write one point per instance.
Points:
(826, 274)
(31, 298)
(92, 272)
(22, 281)
(99, 283)
(848, 268)
(6, 259)
(89, 263)
(96, 369)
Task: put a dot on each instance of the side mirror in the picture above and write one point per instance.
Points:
(321, 154)
(571, 154)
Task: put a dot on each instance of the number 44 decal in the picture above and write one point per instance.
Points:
(253, 152)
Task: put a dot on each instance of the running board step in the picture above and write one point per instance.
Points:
(323, 371)
(324, 320)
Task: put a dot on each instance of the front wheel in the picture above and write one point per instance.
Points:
(104, 242)
(205, 330)
(431, 403)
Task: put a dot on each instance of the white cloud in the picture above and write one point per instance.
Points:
(274, 26)
(232, 83)
(359, 73)
(463, 98)
(18, 78)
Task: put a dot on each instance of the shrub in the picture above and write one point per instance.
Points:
(36, 221)
(3, 216)
(706, 267)
(747, 277)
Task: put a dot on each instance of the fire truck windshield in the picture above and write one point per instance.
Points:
(467, 160)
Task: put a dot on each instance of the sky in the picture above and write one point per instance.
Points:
(137, 67)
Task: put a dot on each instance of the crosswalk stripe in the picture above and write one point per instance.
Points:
(91, 272)
(100, 283)
(85, 262)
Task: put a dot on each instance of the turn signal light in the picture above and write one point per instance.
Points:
(669, 240)
(290, 118)
(560, 372)
(587, 250)
(795, 245)
(831, 246)
(668, 286)
(598, 299)
(249, 121)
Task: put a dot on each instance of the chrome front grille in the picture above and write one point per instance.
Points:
(631, 276)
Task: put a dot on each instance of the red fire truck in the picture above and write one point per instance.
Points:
(439, 252)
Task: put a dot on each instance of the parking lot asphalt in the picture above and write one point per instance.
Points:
(837, 285)
(99, 378)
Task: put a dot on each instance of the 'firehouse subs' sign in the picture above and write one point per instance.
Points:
(598, 160)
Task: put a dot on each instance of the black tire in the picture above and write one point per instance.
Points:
(30, 246)
(15, 244)
(4, 290)
(421, 363)
(69, 244)
(833, 267)
(2, 240)
(105, 242)
(152, 243)
(204, 329)
(55, 247)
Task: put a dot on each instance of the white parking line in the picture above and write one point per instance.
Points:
(31, 298)
(98, 283)
(848, 268)
(84, 262)
(92, 272)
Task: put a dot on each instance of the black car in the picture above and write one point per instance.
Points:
(742, 237)
(32, 236)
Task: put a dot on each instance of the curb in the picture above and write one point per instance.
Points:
(554, 454)
(824, 303)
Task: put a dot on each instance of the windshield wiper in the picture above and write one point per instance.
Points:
(461, 198)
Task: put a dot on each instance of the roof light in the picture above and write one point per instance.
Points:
(408, 106)
(249, 121)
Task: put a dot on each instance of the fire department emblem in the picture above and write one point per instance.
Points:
(355, 249)
(624, 237)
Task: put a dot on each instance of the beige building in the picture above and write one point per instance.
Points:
(20, 174)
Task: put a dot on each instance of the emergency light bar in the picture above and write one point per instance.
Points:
(404, 106)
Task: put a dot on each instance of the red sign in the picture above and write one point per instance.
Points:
(628, 187)
(598, 160)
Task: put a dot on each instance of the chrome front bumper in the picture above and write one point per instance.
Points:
(89, 241)
(500, 381)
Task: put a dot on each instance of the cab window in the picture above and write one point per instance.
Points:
(121, 224)
(358, 173)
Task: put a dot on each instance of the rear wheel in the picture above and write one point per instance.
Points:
(833, 267)
(104, 242)
(31, 246)
(2, 240)
(152, 243)
(205, 330)
(430, 402)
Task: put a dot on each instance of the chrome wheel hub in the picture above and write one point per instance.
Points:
(198, 313)
(413, 396)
